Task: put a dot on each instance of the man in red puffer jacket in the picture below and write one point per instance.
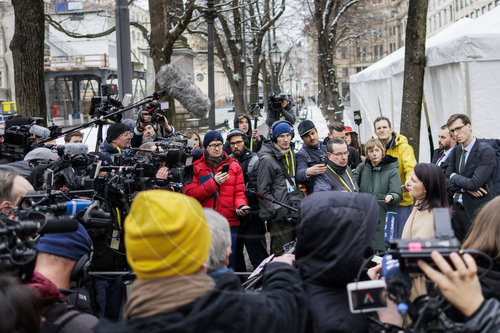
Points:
(224, 192)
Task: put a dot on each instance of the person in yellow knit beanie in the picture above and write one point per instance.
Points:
(167, 241)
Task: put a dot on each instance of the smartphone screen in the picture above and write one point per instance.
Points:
(225, 168)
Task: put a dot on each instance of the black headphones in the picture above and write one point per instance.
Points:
(83, 264)
(276, 123)
(235, 132)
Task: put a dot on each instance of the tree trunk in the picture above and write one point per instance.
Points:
(413, 86)
(27, 47)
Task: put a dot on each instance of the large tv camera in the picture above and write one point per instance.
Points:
(20, 135)
(38, 213)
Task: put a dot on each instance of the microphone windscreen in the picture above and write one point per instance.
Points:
(40, 131)
(75, 148)
(180, 88)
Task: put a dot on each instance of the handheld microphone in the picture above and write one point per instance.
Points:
(126, 99)
(398, 283)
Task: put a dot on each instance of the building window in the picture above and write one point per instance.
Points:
(456, 5)
(471, 14)
(390, 48)
(381, 50)
(345, 53)
(359, 69)
(375, 51)
(345, 72)
(483, 10)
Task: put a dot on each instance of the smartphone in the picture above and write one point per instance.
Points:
(225, 168)
(322, 159)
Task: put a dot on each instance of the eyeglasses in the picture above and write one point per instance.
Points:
(456, 130)
(215, 146)
(344, 153)
(236, 143)
(126, 135)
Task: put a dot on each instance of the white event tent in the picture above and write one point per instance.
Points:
(462, 75)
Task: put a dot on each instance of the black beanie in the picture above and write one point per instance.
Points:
(115, 130)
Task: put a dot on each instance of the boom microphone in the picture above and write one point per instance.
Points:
(40, 131)
(180, 88)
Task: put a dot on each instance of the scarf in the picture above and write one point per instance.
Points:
(46, 289)
(164, 295)
(214, 161)
(338, 169)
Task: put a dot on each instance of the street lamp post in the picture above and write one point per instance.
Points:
(210, 15)
(291, 71)
(276, 61)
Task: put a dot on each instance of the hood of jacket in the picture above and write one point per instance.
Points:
(397, 139)
(387, 162)
(333, 232)
(268, 148)
(249, 132)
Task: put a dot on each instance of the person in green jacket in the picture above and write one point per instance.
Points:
(379, 176)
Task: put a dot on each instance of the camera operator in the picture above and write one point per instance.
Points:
(12, 187)
(334, 232)
(279, 108)
(173, 293)
(461, 288)
(117, 139)
(61, 258)
(146, 122)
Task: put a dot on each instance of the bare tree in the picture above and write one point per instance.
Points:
(27, 47)
(413, 86)
(230, 49)
(327, 18)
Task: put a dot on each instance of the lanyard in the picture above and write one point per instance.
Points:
(251, 143)
(293, 166)
(342, 180)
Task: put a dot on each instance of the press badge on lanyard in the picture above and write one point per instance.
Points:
(290, 188)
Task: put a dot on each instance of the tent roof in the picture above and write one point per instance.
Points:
(465, 40)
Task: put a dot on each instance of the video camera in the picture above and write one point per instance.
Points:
(155, 111)
(104, 105)
(409, 251)
(275, 100)
(38, 213)
(18, 136)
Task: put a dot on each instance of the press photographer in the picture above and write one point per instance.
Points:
(151, 124)
(279, 108)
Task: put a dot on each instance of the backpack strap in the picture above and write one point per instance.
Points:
(57, 316)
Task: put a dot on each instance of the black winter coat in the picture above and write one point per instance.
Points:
(281, 307)
(333, 232)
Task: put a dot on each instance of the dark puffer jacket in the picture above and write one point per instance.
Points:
(271, 182)
(281, 307)
(380, 181)
(224, 199)
(333, 232)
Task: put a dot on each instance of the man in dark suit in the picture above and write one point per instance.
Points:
(446, 145)
(470, 174)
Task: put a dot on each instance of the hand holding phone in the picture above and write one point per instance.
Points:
(225, 168)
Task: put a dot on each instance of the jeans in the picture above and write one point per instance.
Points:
(109, 296)
(232, 256)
